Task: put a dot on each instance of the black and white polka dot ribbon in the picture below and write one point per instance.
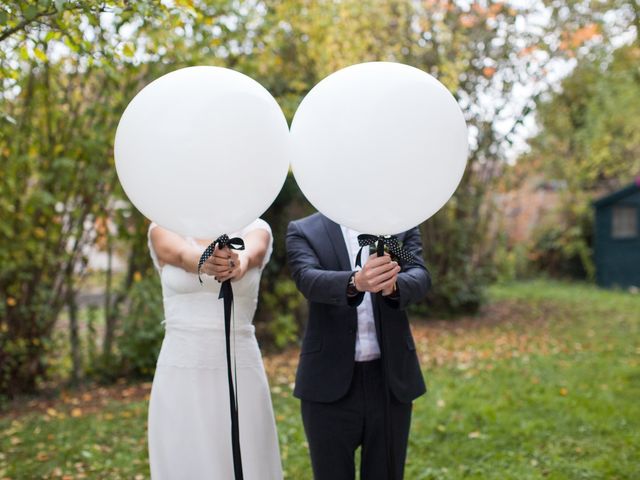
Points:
(226, 294)
(222, 241)
(391, 241)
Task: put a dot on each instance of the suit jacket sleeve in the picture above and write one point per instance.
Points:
(414, 279)
(315, 282)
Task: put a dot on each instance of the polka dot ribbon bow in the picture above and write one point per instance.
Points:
(222, 241)
(392, 243)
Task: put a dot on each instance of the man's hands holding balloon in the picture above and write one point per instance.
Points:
(379, 274)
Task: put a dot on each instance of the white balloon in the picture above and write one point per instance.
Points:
(202, 151)
(379, 147)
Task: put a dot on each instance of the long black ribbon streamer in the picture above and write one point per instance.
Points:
(403, 255)
(226, 294)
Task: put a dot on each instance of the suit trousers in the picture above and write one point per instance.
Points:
(335, 430)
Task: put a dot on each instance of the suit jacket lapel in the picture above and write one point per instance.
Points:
(337, 242)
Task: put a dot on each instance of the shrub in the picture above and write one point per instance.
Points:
(138, 343)
(562, 246)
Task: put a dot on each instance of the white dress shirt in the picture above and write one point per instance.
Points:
(367, 347)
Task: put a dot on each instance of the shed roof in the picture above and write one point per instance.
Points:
(613, 197)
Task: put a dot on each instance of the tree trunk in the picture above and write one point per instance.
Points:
(109, 317)
(74, 337)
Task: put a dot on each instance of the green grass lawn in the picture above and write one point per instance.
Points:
(545, 383)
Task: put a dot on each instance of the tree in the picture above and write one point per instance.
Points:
(68, 70)
(590, 138)
(485, 52)
(590, 130)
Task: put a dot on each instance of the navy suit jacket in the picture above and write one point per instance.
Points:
(319, 262)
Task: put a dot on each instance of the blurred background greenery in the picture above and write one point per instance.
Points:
(549, 89)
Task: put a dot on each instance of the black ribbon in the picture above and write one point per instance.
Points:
(392, 243)
(226, 294)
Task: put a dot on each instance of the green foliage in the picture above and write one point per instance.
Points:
(511, 263)
(452, 240)
(65, 80)
(590, 138)
(55, 143)
(590, 133)
(139, 342)
(283, 304)
(562, 246)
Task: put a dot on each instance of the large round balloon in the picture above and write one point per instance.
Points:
(202, 151)
(379, 147)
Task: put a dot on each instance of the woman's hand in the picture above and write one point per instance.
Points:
(241, 267)
(225, 264)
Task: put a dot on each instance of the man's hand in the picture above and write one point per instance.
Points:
(379, 274)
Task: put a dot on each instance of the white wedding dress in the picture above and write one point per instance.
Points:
(189, 427)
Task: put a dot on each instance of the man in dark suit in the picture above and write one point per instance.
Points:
(356, 386)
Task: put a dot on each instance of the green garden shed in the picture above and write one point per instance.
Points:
(617, 237)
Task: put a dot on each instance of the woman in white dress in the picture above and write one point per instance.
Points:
(189, 420)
